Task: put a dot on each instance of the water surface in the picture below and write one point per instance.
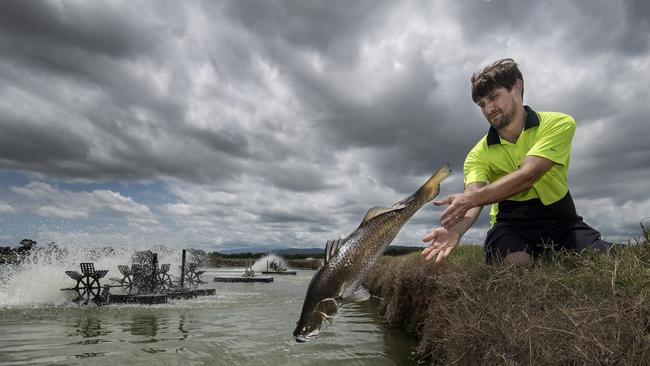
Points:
(243, 324)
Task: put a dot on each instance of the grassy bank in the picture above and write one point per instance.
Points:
(566, 309)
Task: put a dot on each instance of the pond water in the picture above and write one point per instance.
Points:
(243, 324)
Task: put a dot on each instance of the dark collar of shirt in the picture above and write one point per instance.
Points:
(531, 121)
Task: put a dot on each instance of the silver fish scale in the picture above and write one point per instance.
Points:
(345, 271)
(365, 245)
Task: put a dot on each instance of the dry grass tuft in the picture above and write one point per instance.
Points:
(568, 309)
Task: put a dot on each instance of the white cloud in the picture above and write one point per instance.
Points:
(6, 208)
(619, 220)
(55, 212)
(281, 125)
(47, 201)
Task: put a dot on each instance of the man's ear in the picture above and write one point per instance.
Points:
(519, 87)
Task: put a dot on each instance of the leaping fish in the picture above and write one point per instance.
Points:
(348, 261)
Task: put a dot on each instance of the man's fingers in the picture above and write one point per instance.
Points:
(449, 212)
(430, 251)
(426, 251)
(434, 250)
(451, 216)
(444, 253)
(445, 201)
(432, 254)
(431, 236)
(450, 222)
(439, 258)
(447, 251)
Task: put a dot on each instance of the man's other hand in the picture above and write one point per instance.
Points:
(441, 243)
(459, 204)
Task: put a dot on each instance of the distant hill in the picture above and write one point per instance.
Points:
(392, 250)
(244, 250)
(294, 251)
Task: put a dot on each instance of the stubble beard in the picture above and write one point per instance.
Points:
(505, 120)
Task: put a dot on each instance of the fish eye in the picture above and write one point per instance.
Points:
(304, 329)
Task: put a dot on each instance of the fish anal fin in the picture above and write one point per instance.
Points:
(332, 248)
(361, 294)
(374, 212)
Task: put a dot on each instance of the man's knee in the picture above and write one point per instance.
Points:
(520, 258)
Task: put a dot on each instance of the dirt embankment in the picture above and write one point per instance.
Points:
(566, 309)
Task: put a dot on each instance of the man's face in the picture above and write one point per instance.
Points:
(499, 106)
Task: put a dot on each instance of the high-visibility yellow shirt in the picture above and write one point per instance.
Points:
(545, 134)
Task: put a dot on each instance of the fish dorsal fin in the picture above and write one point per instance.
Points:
(332, 248)
(374, 212)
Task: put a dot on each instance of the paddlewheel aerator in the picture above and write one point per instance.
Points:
(88, 287)
(127, 280)
(164, 279)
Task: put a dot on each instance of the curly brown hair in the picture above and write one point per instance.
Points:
(502, 73)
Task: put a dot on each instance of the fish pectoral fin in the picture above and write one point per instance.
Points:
(358, 296)
(327, 316)
(328, 307)
(332, 248)
(374, 212)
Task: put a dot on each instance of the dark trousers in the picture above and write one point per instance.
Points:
(505, 238)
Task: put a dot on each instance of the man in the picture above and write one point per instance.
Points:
(520, 167)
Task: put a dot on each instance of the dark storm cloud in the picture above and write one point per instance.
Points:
(93, 27)
(636, 40)
(331, 30)
(303, 179)
(290, 217)
(626, 149)
(27, 146)
(300, 115)
(58, 45)
(409, 131)
(230, 142)
(592, 27)
(54, 51)
(401, 112)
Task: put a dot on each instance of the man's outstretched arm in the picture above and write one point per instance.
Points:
(442, 241)
(532, 168)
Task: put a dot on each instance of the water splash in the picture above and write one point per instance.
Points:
(39, 277)
(260, 264)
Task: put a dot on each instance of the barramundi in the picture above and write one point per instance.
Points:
(348, 261)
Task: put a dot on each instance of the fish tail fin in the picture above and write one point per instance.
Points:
(431, 188)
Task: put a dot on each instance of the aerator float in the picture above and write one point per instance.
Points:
(144, 282)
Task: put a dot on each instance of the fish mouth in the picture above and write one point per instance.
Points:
(302, 338)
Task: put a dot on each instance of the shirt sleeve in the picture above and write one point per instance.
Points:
(554, 139)
(475, 168)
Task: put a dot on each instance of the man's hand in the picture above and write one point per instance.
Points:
(459, 204)
(456, 219)
(442, 242)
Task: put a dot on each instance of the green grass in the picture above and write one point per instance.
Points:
(566, 308)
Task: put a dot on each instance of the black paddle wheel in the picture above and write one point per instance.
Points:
(88, 287)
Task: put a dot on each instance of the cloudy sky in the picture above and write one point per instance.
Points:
(238, 124)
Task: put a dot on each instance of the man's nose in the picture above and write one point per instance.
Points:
(489, 108)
